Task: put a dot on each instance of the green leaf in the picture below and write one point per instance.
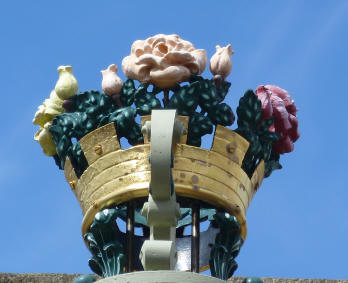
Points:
(185, 99)
(128, 92)
(199, 125)
(145, 101)
(207, 97)
(256, 131)
(221, 114)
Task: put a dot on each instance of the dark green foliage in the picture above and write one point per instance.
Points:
(203, 93)
(209, 100)
(185, 99)
(78, 159)
(272, 164)
(221, 114)
(208, 97)
(226, 247)
(199, 125)
(145, 101)
(222, 90)
(127, 92)
(108, 254)
(249, 111)
(57, 161)
(126, 126)
(256, 131)
(91, 110)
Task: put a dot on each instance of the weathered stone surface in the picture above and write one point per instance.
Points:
(68, 278)
(37, 278)
(288, 280)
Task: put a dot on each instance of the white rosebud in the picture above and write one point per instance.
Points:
(221, 62)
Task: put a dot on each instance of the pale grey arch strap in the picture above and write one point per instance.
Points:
(161, 211)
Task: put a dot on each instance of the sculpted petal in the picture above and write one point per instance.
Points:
(280, 114)
(284, 145)
(193, 67)
(282, 93)
(161, 49)
(137, 48)
(187, 45)
(150, 60)
(169, 76)
(293, 133)
(48, 110)
(147, 48)
(201, 59)
(128, 64)
(43, 136)
(179, 57)
(143, 73)
(135, 71)
(160, 38)
(41, 117)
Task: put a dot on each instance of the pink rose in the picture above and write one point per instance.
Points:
(277, 103)
(163, 60)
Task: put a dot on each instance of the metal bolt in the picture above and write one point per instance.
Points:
(231, 147)
(72, 185)
(98, 149)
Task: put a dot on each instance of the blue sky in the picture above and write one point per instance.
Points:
(297, 222)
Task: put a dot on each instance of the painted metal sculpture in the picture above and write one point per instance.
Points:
(82, 131)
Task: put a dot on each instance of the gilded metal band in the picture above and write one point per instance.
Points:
(116, 176)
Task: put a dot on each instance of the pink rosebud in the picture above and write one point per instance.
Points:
(277, 103)
(111, 83)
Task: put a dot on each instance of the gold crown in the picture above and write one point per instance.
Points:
(117, 175)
